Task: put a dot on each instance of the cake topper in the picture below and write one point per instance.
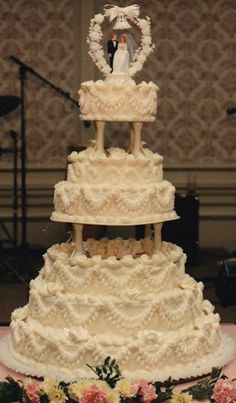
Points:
(122, 15)
(112, 45)
(121, 58)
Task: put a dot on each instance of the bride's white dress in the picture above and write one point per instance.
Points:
(121, 59)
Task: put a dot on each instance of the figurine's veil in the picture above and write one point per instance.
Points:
(131, 45)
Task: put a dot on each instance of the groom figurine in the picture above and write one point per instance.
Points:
(112, 45)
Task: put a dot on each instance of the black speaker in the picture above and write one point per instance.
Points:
(225, 285)
(185, 231)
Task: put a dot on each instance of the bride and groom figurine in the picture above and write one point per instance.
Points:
(119, 54)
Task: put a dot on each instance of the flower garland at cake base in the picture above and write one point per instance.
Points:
(112, 388)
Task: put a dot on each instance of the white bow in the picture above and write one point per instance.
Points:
(113, 11)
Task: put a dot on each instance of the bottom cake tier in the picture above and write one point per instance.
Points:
(139, 308)
(199, 365)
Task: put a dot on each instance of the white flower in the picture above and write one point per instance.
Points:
(146, 50)
(97, 28)
(102, 62)
(131, 294)
(99, 18)
(143, 23)
(147, 40)
(138, 66)
(141, 58)
(146, 31)
(100, 52)
(113, 247)
(95, 46)
(123, 387)
(94, 36)
(107, 69)
(132, 70)
(181, 398)
(150, 336)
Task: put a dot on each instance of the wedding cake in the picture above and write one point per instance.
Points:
(125, 298)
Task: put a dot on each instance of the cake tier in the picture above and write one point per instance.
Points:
(114, 167)
(119, 204)
(138, 309)
(113, 265)
(149, 354)
(124, 314)
(118, 100)
(114, 188)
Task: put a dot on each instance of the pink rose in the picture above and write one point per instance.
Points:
(32, 390)
(224, 391)
(94, 395)
(145, 389)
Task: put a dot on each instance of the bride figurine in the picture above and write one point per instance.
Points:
(121, 57)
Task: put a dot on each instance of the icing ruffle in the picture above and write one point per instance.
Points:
(117, 101)
(123, 204)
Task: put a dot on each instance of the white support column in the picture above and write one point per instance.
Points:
(131, 140)
(100, 126)
(157, 237)
(78, 239)
(136, 138)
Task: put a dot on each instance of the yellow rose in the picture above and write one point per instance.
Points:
(113, 396)
(77, 389)
(123, 387)
(87, 384)
(48, 385)
(181, 398)
(103, 385)
(57, 395)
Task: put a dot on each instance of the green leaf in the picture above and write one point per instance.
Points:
(104, 369)
(107, 360)
(109, 371)
(98, 371)
(10, 391)
(215, 372)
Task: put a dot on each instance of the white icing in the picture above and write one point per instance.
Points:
(114, 167)
(114, 188)
(91, 275)
(20, 363)
(124, 205)
(114, 100)
(72, 348)
(131, 300)
(140, 308)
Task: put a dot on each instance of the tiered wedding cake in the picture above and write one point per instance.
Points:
(129, 299)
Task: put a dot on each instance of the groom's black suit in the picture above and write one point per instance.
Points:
(111, 49)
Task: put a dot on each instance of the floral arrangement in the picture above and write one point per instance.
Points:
(110, 387)
(118, 247)
(95, 36)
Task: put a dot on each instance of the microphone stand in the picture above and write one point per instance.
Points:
(23, 69)
(15, 187)
(22, 72)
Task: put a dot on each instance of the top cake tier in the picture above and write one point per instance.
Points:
(116, 99)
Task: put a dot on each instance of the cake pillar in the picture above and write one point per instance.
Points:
(157, 237)
(99, 136)
(78, 240)
(136, 138)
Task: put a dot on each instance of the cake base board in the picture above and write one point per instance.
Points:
(179, 373)
(113, 221)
